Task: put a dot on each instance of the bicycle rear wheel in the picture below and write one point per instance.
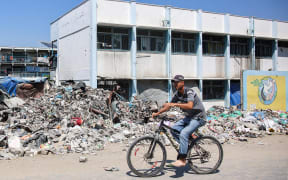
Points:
(205, 155)
(146, 157)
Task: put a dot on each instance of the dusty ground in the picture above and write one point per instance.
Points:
(261, 158)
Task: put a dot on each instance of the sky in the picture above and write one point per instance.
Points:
(25, 23)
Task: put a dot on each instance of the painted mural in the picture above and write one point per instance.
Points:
(265, 90)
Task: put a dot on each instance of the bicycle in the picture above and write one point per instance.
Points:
(146, 157)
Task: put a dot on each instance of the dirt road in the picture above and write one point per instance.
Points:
(261, 158)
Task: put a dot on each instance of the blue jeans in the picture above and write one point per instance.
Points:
(186, 127)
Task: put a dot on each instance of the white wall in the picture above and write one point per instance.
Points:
(113, 12)
(150, 65)
(237, 64)
(282, 30)
(213, 67)
(184, 64)
(75, 20)
(113, 64)
(149, 15)
(183, 19)
(239, 25)
(74, 56)
(282, 64)
(54, 31)
(212, 22)
(263, 28)
(264, 64)
(209, 104)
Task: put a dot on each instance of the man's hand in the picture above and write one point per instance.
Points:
(169, 104)
(154, 115)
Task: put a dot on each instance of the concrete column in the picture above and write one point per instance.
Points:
(227, 94)
(93, 53)
(275, 55)
(275, 46)
(227, 70)
(252, 44)
(58, 64)
(199, 52)
(133, 48)
(168, 51)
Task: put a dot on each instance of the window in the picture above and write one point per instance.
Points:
(213, 89)
(113, 38)
(283, 48)
(263, 48)
(183, 43)
(148, 40)
(239, 46)
(213, 45)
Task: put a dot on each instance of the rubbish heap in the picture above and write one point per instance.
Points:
(76, 119)
(62, 121)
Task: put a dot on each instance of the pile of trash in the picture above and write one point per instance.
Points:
(67, 119)
(226, 124)
(76, 119)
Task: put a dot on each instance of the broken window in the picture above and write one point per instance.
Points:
(263, 48)
(213, 89)
(113, 38)
(283, 48)
(239, 46)
(150, 40)
(183, 43)
(213, 45)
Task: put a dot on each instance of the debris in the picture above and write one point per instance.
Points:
(83, 159)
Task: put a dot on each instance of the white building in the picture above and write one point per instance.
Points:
(143, 46)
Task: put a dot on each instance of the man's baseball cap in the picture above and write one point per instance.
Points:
(178, 78)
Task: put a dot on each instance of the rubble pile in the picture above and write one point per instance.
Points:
(76, 119)
(62, 121)
(227, 124)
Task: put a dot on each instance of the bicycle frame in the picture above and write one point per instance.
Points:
(163, 129)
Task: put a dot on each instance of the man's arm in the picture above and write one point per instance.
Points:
(165, 108)
(188, 105)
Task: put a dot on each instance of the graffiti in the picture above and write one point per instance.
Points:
(267, 89)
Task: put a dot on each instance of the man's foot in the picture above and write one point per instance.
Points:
(179, 163)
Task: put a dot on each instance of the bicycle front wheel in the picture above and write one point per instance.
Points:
(205, 155)
(146, 157)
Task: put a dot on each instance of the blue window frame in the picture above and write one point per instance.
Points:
(183, 43)
(239, 46)
(150, 40)
(213, 45)
(113, 38)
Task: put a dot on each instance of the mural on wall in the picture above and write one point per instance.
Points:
(265, 90)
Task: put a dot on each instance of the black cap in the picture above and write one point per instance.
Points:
(178, 78)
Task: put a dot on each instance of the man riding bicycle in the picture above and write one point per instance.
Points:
(195, 116)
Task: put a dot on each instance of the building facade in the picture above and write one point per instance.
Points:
(27, 62)
(143, 46)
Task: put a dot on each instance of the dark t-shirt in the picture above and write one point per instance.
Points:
(198, 110)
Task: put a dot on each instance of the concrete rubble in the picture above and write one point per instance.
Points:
(75, 119)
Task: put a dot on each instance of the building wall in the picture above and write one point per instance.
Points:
(237, 64)
(213, 67)
(282, 30)
(183, 19)
(263, 28)
(76, 20)
(239, 25)
(74, 56)
(282, 63)
(212, 22)
(154, 15)
(108, 10)
(264, 64)
(114, 64)
(150, 66)
(185, 65)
